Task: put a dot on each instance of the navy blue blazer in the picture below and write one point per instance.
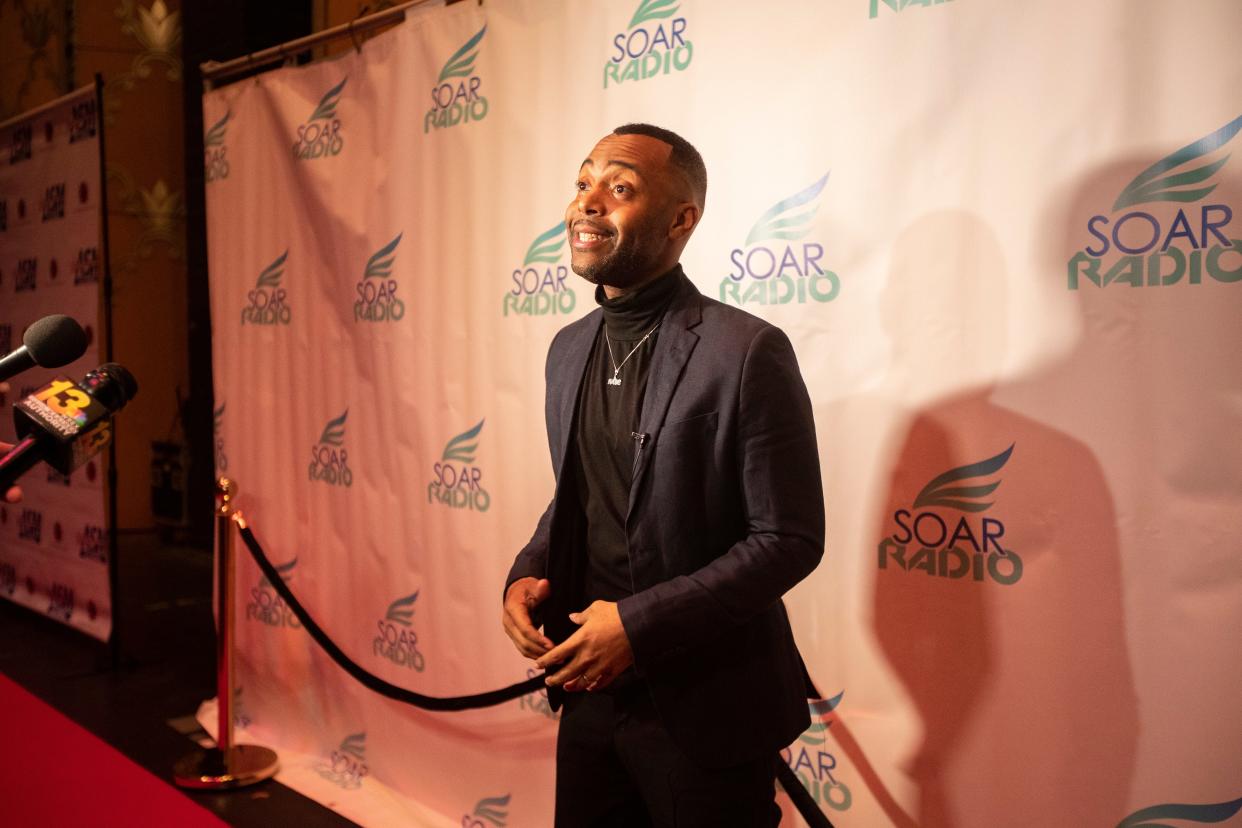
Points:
(726, 513)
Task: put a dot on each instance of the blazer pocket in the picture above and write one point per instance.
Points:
(698, 424)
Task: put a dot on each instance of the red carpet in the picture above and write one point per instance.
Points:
(55, 773)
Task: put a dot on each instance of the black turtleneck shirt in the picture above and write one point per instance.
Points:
(604, 438)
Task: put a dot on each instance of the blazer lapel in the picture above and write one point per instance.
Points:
(570, 370)
(674, 345)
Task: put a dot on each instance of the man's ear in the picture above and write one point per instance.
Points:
(684, 220)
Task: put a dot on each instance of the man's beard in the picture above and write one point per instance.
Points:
(619, 269)
(628, 264)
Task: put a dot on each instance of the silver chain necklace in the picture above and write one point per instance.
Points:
(616, 369)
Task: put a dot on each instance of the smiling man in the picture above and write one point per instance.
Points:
(688, 501)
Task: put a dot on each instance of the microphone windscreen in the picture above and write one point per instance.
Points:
(55, 340)
(112, 384)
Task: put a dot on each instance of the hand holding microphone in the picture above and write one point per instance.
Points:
(51, 342)
(66, 423)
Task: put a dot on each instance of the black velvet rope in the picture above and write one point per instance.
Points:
(801, 798)
(366, 678)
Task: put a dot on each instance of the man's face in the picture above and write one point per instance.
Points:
(624, 205)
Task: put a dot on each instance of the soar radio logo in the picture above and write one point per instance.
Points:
(945, 534)
(902, 5)
(347, 765)
(215, 160)
(1159, 816)
(321, 136)
(377, 292)
(456, 102)
(217, 433)
(266, 607)
(458, 483)
(813, 764)
(775, 266)
(541, 291)
(1150, 241)
(329, 459)
(537, 700)
(396, 641)
(267, 300)
(493, 811)
(653, 44)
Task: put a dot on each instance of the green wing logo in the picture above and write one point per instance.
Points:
(494, 809)
(327, 105)
(355, 745)
(653, 10)
(1170, 179)
(400, 610)
(461, 64)
(1155, 816)
(784, 220)
(547, 248)
(462, 447)
(285, 571)
(270, 277)
(379, 266)
(215, 135)
(334, 431)
(969, 498)
(815, 734)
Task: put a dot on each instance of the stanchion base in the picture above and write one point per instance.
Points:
(214, 769)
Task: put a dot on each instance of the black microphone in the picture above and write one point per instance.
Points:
(66, 423)
(51, 342)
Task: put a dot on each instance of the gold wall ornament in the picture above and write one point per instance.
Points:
(161, 29)
(158, 32)
(161, 212)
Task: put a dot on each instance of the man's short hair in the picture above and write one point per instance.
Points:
(684, 156)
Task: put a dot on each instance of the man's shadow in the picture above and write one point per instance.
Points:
(1008, 634)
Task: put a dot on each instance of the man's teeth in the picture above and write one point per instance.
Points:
(589, 237)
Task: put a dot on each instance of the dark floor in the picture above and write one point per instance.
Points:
(166, 669)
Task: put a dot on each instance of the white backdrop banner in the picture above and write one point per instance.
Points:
(1003, 240)
(54, 544)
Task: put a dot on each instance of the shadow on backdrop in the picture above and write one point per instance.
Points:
(997, 593)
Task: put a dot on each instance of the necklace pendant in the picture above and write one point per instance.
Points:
(616, 380)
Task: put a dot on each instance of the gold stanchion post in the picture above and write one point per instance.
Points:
(227, 765)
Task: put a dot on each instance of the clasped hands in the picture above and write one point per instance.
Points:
(597, 652)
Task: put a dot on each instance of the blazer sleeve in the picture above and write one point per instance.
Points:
(532, 561)
(783, 499)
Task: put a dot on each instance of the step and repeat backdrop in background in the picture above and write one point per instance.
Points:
(54, 544)
(1003, 240)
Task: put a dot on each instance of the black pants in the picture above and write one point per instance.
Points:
(617, 767)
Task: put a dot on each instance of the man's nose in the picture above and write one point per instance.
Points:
(590, 202)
